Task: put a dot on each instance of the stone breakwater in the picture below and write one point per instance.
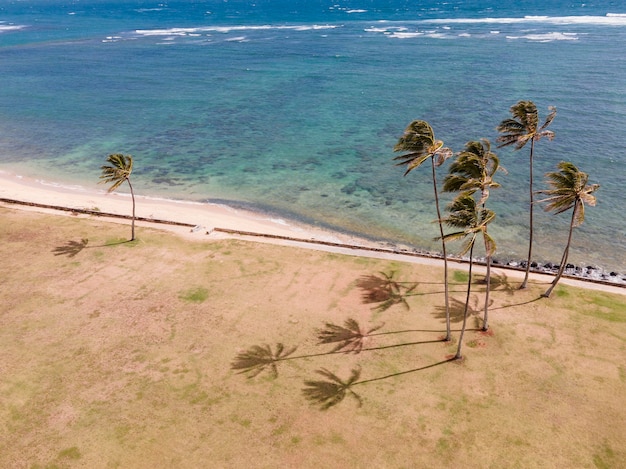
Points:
(589, 272)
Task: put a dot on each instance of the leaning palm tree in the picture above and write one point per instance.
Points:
(121, 166)
(569, 190)
(472, 171)
(522, 128)
(420, 143)
(471, 221)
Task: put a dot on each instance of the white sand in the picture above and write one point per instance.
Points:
(206, 217)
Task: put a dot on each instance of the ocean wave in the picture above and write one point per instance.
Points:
(611, 19)
(547, 37)
(10, 27)
(402, 35)
(229, 29)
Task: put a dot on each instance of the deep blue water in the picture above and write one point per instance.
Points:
(293, 107)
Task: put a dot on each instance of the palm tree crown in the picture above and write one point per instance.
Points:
(419, 140)
(471, 220)
(569, 189)
(119, 171)
(524, 126)
(473, 170)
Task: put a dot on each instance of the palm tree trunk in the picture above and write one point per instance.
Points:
(467, 299)
(445, 256)
(485, 316)
(530, 222)
(548, 292)
(132, 194)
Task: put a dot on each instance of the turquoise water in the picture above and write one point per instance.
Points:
(293, 108)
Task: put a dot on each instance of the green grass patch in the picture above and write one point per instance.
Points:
(70, 453)
(195, 295)
(603, 306)
(460, 276)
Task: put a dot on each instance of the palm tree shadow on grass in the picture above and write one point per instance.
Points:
(346, 339)
(330, 392)
(259, 358)
(385, 291)
(457, 310)
(73, 248)
(499, 281)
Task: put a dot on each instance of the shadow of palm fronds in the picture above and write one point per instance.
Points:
(331, 392)
(261, 357)
(384, 290)
(349, 337)
(499, 281)
(71, 248)
(457, 309)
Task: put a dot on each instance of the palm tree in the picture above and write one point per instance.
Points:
(523, 127)
(472, 221)
(569, 190)
(420, 143)
(473, 170)
(119, 171)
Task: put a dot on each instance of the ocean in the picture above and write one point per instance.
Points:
(292, 108)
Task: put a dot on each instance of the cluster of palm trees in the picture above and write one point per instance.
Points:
(471, 176)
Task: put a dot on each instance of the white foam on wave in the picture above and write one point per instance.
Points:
(228, 29)
(356, 11)
(401, 35)
(611, 19)
(547, 37)
(10, 27)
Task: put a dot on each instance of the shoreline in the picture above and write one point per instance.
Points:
(191, 219)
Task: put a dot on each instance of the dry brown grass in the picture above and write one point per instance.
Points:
(117, 354)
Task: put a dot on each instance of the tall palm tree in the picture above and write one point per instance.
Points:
(420, 143)
(522, 128)
(119, 170)
(473, 170)
(569, 190)
(471, 221)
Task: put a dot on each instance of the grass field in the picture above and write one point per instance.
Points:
(118, 355)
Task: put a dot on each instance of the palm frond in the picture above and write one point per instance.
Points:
(549, 118)
(490, 244)
(259, 358)
(349, 337)
(330, 392)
